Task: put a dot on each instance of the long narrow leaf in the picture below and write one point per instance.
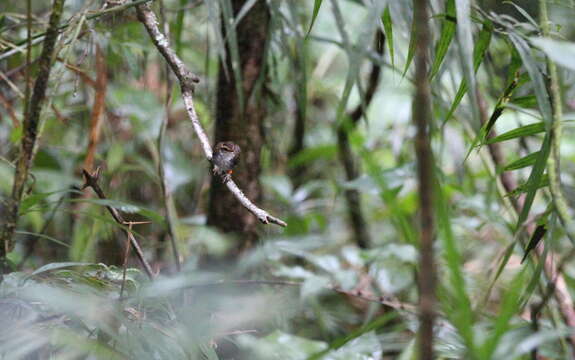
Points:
(483, 41)
(447, 34)
(522, 131)
(388, 29)
(316, 6)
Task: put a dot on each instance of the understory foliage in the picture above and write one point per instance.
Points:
(338, 165)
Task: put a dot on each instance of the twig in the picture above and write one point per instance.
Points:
(383, 300)
(30, 130)
(94, 14)
(187, 80)
(169, 205)
(91, 180)
(553, 163)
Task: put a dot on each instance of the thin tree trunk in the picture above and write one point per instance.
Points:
(425, 176)
(30, 132)
(241, 123)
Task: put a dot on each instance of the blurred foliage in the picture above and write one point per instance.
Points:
(307, 291)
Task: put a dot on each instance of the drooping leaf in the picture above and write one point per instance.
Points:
(411, 49)
(483, 41)
(561, 52)
(388, 29)
(447, 34)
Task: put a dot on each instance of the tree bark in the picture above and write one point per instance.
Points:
(241, 123)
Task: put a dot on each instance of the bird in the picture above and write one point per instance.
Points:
(226, 155)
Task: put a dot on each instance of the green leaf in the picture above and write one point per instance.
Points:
(561, 52)
(522, 131)
(461, 313)
(536, 77)
(535, 178)
(529, 101)
(316, 6)
(466, 51)
(43, 236)
(388, 29)
(537, 236)
(313, 153)
(447, 33)
(59, 266)
(481, 46)
(509, 307)
(411, 49)
(340, 342)
(523, 187)
(525, 161)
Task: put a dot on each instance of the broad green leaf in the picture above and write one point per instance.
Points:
(447, 33)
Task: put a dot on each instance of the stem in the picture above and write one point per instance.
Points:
(425, 174)
(553, 162)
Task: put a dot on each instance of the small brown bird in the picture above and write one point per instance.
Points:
(226, 156)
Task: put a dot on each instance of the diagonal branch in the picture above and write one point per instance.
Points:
(91, 180)
(187, 80)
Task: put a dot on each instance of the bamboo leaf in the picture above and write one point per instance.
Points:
(522, 131)
(481, 46)
(388, 29)
(538, 234)
(465, 39)
(411, 49)
(447, 33)
(461, 314)
(316, 6)
(524, 162)
(561, 52)
(545, 109)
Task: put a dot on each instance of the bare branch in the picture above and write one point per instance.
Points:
(187, 80)
(91, 180)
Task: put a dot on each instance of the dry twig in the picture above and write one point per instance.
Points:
(187, 80)
(91, 180)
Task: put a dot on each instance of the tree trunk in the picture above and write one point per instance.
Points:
(241, 124)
